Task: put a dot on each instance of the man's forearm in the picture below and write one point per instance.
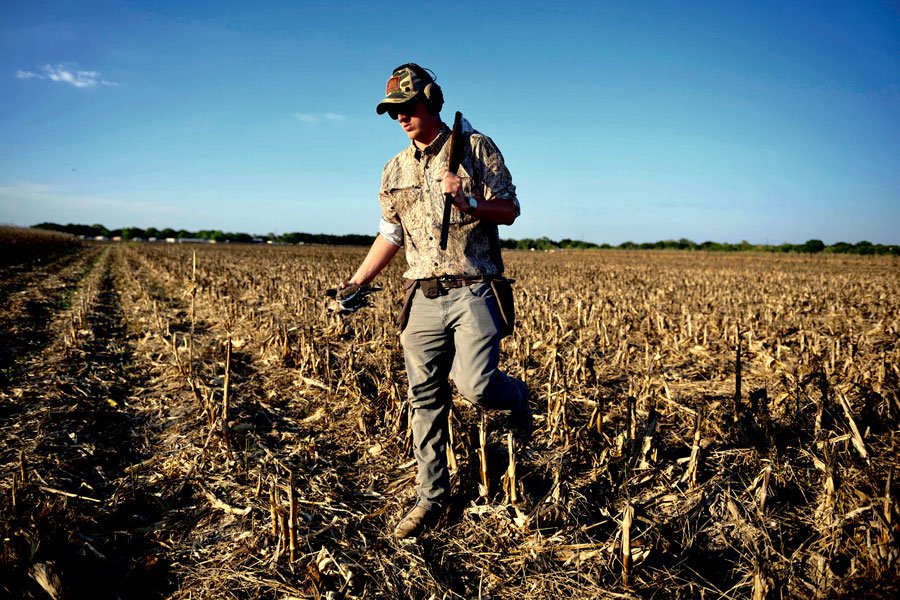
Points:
(380, 254)
(500, 212)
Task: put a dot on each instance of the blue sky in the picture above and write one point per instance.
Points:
(760, 121)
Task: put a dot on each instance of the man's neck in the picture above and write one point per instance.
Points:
(432, 135)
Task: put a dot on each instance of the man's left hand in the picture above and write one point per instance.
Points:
(348, 298)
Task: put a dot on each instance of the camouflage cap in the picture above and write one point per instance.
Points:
(404, 85)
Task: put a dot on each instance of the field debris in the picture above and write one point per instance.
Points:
(192, 423)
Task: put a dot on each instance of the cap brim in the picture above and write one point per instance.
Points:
(385, 104)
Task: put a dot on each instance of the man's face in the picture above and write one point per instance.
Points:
(419, 124)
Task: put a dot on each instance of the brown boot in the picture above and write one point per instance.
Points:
(416, 521)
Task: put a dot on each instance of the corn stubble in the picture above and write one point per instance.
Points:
(717, 425)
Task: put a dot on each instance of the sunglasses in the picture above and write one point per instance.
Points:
(407, 108)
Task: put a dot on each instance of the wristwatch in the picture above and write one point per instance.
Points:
(473, 204)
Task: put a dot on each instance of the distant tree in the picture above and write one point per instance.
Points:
(864, 247)
(51, 227)
(576, 244)
(99, 229)
(240, 238)
(814, 246)
(130, 233)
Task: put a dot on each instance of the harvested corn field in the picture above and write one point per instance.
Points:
(188, 422)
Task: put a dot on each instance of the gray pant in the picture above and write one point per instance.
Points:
(455, 332)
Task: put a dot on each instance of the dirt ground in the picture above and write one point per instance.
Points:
(188, 422)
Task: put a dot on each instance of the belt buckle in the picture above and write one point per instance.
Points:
(449, 282)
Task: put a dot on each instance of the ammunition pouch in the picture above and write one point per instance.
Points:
(409, 290)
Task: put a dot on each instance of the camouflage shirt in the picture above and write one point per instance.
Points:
(411, 197)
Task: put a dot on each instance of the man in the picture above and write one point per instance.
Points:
(453, 319)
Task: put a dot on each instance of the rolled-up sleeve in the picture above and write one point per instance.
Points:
(392, 232)
(390, 226)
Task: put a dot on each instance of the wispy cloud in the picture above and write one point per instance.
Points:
(320, 117)
(67, 73)
(27, 203)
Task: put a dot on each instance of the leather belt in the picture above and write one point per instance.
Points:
(438, 286)
(450, 283)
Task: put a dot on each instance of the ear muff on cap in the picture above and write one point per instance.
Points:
(434, 98)
(432, 92)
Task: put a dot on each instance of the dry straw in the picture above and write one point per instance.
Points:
(709, 424)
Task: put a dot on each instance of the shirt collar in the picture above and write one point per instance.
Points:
(434, 148)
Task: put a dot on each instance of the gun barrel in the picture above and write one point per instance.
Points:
(455, 159)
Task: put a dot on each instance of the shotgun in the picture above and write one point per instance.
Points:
(456, 151)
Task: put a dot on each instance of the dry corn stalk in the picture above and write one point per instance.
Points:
(484, 486)
(226, 387)
(648, 453)
(292, 519)
(857, 439)
(627, 517)
(761, 583)
(23, 467)
(510, 479)
(888, 501)
(737, 375)
(452, 465)
(190, 365)
(631, 422)
(825, 511)
(691, 473)
(273, 507)
(764, 489)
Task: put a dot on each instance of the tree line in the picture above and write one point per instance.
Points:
(542, 243)
(215, 235)
(809, 247)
